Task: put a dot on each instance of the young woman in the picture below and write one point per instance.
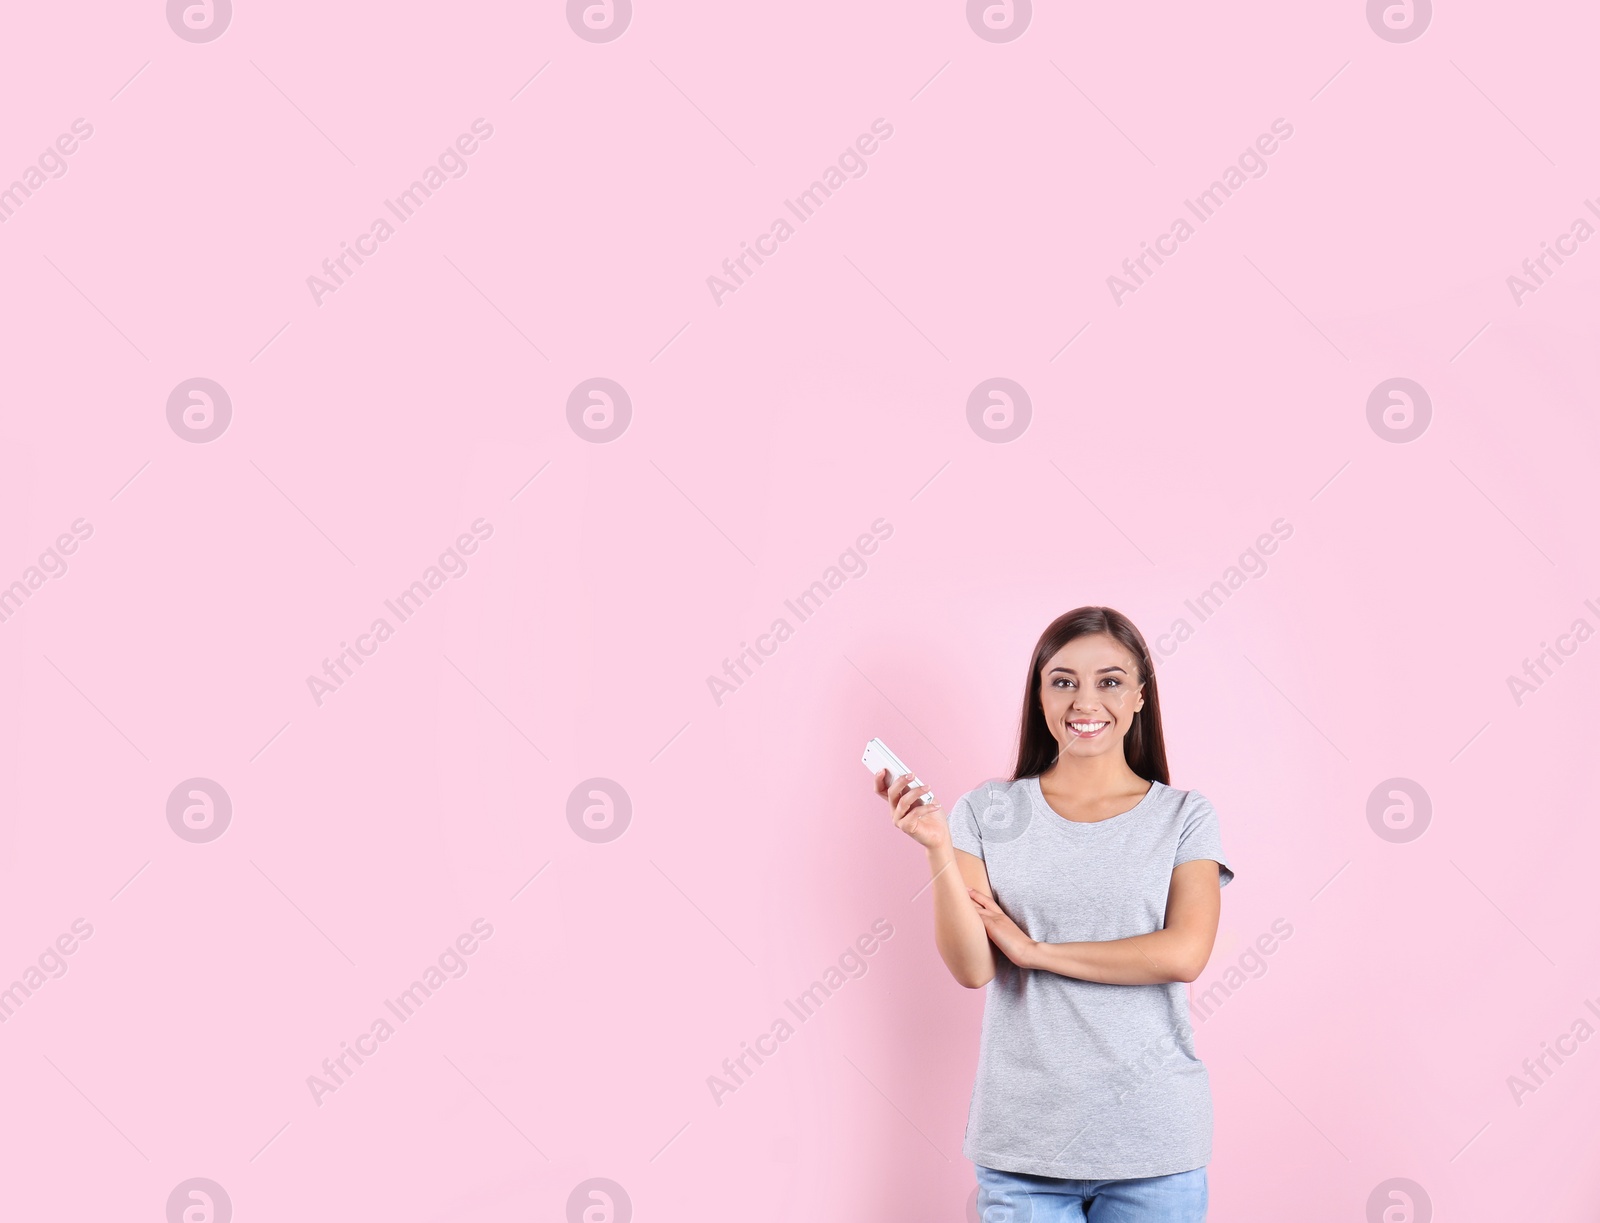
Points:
(1084, 892)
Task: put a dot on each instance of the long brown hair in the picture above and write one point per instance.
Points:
(1144, 745)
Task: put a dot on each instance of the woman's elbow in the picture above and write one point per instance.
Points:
(973, 975)
(1192, 965)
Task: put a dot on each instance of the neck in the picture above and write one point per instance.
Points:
(1095, 774)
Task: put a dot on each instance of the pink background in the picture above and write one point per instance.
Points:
(768, 433)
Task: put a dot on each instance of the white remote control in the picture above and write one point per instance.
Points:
(878, 757)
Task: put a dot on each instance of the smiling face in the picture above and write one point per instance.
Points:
(1089, 690)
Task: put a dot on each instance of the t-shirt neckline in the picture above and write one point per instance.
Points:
(1036, 793)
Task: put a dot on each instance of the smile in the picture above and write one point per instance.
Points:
(1087, 730)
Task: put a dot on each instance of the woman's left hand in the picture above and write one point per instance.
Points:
(1003, 932)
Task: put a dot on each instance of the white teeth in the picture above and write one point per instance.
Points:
(1087, 728)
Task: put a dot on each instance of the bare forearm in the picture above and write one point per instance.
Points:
(1146, 959)
(958, 931)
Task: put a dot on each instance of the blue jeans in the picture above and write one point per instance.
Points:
(1012, 1197)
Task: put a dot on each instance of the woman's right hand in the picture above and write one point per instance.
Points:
(924, 823)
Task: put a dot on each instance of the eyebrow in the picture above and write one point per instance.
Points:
(1070, 671)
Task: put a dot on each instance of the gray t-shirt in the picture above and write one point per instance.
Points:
(1082, 1079)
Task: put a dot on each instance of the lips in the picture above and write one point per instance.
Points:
(1086, 730)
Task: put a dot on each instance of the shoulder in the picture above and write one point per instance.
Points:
(995, 790)
(1199, 835)
(1183, 806)
(995, 807)
(990, 814)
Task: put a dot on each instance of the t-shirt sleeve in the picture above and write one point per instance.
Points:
(1202, 837)
(964, 826)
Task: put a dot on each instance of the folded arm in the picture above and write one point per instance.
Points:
(1177, 952)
